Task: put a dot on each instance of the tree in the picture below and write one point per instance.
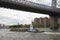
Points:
(26, 26)
(16, 26)
(38, 25)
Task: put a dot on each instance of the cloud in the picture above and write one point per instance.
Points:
(6, 20)
(28, 17)
(9, 16)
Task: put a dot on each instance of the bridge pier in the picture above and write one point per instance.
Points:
(54, 22)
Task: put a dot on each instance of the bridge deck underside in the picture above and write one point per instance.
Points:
(49, 11)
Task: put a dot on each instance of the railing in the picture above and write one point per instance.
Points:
(27, 3)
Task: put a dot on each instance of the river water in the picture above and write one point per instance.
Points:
(5, 34)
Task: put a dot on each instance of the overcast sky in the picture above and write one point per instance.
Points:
(45, 2)
(10, 16)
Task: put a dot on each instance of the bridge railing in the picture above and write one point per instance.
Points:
(32, 5)
(27, 3)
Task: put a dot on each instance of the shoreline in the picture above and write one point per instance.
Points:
(25, 30)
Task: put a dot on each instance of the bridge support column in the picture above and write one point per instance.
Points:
(54, 22)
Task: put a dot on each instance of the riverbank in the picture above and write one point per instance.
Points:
(24, 30)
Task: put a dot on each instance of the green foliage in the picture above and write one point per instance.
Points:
(48, 25)
(58, 25)
(15, 26)
(19, 26)
(27, 26)
(38, 25)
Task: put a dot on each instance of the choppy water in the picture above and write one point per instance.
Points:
(5, 34)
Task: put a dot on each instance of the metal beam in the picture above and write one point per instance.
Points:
(29, 6)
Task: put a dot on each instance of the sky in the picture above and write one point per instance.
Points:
(10, 16)
(45, 2)
(58, 4)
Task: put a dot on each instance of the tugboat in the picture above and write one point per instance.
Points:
(32, 29)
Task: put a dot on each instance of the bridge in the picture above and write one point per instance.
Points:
(25, 5)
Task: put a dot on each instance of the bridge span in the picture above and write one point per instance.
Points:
(34, 7)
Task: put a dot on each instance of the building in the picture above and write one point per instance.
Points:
(42, 21)
(2, 26)
(46, 21)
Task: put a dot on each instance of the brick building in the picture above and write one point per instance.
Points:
(43, 21)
